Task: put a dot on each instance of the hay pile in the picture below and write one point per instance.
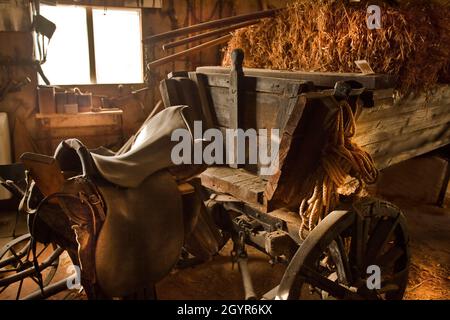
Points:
(327, 35)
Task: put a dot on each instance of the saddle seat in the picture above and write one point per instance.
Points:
(150, 152)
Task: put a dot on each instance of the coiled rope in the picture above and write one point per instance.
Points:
(341, 158)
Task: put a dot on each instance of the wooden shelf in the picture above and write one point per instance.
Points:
(81, 119)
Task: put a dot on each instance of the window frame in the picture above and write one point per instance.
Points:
(91, 43)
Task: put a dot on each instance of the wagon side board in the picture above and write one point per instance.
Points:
(320, 79)
(399, 129)
(265, 103)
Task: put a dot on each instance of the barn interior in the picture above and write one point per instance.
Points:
(340, 190)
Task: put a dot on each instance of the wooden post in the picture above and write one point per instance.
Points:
(235, 91)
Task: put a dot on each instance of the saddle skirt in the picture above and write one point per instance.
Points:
(142, 236)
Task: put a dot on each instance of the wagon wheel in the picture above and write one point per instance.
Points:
(337, 258)
(18, 276)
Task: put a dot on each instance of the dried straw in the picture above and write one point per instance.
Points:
(327, 35)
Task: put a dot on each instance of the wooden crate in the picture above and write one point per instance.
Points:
(94, 129)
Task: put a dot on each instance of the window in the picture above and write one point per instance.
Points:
(93, 46)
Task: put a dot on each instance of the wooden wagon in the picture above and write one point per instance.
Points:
(362, 235)
(359, 250)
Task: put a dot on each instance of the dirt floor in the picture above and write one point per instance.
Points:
(218, 279)
(429, 228)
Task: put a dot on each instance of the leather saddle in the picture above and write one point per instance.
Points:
(126, 209)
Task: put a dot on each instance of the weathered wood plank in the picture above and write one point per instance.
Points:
(411, 126)
(402, 126)
(170, 94)
(392, 109)
(301, 151)
(257, 84)
(83, 131)
(286, 137)
(324, 79)
(236, 94)
(236, 182)
(260, 110)
(402, 148)
(190, 97)
(207, 111)
(85, 119)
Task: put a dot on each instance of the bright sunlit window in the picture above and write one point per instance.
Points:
(93, 46)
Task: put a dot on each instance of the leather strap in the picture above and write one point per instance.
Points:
(86, 227)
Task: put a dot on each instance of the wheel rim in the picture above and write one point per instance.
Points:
(334, 259)
(18, 277)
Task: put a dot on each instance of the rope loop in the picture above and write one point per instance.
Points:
(341, 158)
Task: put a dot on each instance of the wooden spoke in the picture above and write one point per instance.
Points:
(358, 244)
(39, 254)
(380, 235)
(4, 288)
(390, 257)
(334, 289)
(11, 249)
(345, 259)
(13, 259)
(19, 290)
(29, 250)
(340, 258)
(9, 270)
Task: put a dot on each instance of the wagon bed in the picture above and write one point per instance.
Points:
(392, 130)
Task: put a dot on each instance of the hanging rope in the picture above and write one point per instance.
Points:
(342, 158)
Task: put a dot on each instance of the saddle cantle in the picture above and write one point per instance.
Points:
(126, 209)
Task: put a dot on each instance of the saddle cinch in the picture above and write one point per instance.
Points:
(127, 211)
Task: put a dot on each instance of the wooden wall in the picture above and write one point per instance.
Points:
(20, 106)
